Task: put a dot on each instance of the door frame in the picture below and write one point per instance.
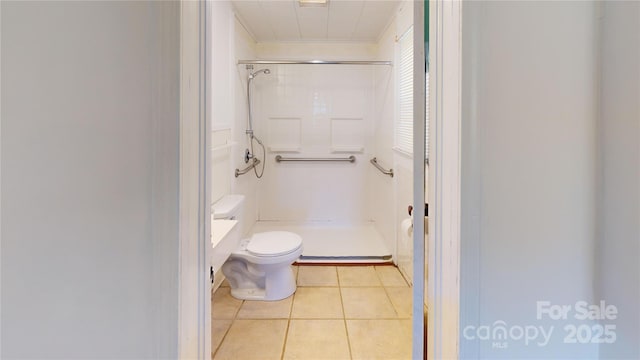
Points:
(419, 160)
(194, 297)
(443, 285)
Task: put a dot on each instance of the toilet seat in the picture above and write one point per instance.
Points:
(273, 243)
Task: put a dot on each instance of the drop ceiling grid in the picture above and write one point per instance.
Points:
(344, 17)
(313, 22)
(340, 20)
(250, 15)
(286, 27)
(375, 17)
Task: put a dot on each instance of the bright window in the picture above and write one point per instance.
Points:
(404, 123)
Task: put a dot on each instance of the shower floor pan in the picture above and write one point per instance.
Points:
(330, 243)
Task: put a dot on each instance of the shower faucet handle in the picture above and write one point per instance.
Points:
(247, 156)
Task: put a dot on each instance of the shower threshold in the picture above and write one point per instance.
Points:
(331, 243)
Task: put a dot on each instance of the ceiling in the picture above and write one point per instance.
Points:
(339, 20)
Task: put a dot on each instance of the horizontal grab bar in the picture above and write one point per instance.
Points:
(351, 159)
(374, 161)
(314, 62)
(248, 168)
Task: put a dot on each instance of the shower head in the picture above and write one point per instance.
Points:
(254, 74)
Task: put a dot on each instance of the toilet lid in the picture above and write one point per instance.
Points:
(273, 243)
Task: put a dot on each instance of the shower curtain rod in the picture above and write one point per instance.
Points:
(313, 62)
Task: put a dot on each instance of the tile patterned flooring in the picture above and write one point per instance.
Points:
(344, 312)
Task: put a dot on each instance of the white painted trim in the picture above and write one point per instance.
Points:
(194, 324)
(402, 152)
(444, 179)
(206, 132)
(418, 180)
(0, 179)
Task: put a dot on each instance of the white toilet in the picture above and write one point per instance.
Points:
(260, 266)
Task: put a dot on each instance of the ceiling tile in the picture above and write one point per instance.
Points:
(281, 14)
(375, 16)
(313, 21)
(251, 16)
(340, 20)
(343, 18)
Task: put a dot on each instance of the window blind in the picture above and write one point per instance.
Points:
(404, 122)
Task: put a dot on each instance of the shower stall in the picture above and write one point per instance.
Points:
(310, 140)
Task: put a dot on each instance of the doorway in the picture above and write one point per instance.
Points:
(419, 248)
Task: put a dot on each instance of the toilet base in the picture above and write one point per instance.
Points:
(248, 294)
(279, 283)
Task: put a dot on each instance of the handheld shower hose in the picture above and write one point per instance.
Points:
(252, 138)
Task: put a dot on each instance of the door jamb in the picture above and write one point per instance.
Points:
(443, 283)
(419, 68)
(194, 297)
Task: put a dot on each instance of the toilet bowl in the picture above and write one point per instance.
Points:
(259, 267)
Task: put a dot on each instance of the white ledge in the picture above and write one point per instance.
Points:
(220, 229)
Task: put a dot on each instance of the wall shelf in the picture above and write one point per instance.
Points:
(284, 149)
(223, 146)
(347, 149)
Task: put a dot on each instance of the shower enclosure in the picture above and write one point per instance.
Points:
(316, 124)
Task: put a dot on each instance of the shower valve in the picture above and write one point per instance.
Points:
(247, 156)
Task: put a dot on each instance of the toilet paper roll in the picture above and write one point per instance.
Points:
(406, 227)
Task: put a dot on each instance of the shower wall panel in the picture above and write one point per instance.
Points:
(315, 111)
(247, 185)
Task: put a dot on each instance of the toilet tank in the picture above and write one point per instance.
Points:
(229, 207)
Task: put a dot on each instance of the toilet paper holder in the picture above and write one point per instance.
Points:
(426, 209)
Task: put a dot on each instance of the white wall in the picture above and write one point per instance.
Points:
(391, 196)
(382, 187)
(317, 50)
(619, 196)
(243, 48)
(528, 172)
(222, 104)
(89, 174)
(402, 162)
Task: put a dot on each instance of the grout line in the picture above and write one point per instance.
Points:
(233, 321)
(344, 314)
(286, 333)
(392, 304)
(213, 354)
(376, 319)
(239, 308)
(386, 291)
(315, 318)
(286, 337)
(291, 307)
(344, 317)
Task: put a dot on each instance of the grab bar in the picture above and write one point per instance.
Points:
(248, 168)
(351, 159)
(374, 161)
